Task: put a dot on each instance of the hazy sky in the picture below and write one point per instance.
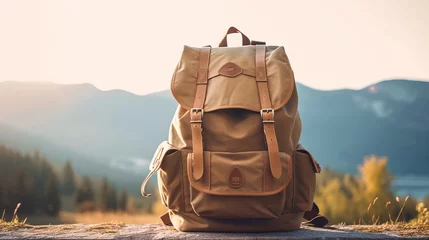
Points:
(135, 45)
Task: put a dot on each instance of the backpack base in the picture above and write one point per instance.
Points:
(189, 222)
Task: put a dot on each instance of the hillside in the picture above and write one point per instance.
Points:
(389, 118)
(58, 155)
(121, 130)
(112, 124)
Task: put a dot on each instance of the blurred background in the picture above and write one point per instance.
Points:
(78, 79)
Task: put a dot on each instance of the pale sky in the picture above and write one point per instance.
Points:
(135, 45)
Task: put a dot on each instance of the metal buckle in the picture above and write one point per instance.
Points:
(267, 110)
(196, 111)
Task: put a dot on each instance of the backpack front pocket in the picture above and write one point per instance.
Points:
(239, 185)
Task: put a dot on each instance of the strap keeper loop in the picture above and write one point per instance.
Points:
(202, 76)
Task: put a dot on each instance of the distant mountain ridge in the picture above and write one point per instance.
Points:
(390, 118)
(58, 154)
(84, 118)
(122, 129)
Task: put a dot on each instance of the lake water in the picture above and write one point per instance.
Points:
(416, 186)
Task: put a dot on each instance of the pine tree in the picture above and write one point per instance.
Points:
(23, 192)
(85, 191)
(112, 198)
(2, 204)
(104, 195)
(52, 202)
(108, 196)
(43, 172)
(24, 179)
(84, 198)
(69, 181)
(123, 200)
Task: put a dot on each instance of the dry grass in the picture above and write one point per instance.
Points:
(67, 227)
(93, 218)
(102, 217)
(376, 217)
(105, 222)
(110, 227)
(416, 227)
(402, 229)
(15, 223)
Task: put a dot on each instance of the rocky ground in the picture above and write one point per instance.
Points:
(156, 231)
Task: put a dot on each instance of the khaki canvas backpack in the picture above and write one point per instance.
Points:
(233, 161)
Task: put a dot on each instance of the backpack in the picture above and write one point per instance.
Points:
(233, 162)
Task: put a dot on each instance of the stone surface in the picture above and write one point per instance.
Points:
(157, 231)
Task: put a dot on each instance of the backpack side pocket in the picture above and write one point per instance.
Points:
(167, 161)
(304, 179)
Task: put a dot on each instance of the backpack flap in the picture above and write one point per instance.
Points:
(231, 78)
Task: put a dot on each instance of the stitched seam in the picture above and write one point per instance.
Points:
(183, 183)
(263, 176)
(294, 179)
(210, 170)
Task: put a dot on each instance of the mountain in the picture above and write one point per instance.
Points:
(82, 164)
(390, 118)
(103, 133)
(114, 124)
(121, 130)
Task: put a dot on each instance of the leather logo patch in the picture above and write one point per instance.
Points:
(230, 70)
(236, 179)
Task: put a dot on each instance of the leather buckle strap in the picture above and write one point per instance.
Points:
(267, 112)
(197, 112)
(273, 149)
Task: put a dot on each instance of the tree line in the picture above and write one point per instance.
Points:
(31, 179)
(28, 179)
